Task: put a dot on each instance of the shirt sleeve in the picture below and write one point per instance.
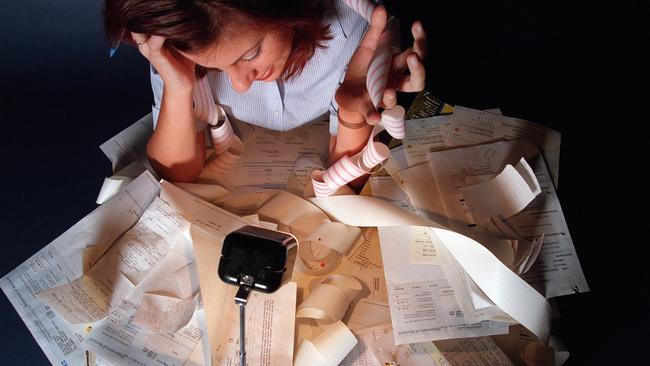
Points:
(334, 119)
(157, 86)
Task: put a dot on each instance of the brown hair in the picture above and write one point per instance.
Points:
(192, 25)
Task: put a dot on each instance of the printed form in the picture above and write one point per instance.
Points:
(557, 270)
(271, 317)
(88, 298)
(271, 155)
(130, 294)
(470, 126)
(422, 303)
(478, 351)
(159, 321)
(65, 259)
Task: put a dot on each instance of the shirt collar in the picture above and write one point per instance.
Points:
(341, 18)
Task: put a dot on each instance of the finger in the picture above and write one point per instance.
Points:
(390, 98)
(419, 39)
(359, 62)
(399, 61)
(377, 24)
(415, 81)
(369, 112)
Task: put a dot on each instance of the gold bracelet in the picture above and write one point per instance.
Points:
(352, 126)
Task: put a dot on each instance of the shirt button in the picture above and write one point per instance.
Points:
(276, 113)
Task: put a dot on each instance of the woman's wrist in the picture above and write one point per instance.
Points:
(352, 125)
(350, 119)
(177, 100)
(178, 92)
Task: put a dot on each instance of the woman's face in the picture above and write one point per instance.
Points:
(247, 55)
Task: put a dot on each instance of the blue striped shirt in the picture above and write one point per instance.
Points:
(284, 105)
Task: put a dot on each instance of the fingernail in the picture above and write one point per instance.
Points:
(412, 61)
(418, 28)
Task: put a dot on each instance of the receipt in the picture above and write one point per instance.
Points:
(423, 305)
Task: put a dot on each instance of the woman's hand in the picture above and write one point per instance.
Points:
(176, 71)
(353, 97)
(174, 149)
(411, 60)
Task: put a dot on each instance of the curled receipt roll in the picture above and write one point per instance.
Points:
(348, 168)
(379, 67)
(228, 148)
(327, 349)
(374, 153)
(329, 300)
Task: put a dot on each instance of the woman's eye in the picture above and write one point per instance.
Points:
(252, 57)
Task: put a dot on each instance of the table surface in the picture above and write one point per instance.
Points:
(61, 97)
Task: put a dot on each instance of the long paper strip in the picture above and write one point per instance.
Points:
(227, 146)
(322, 242)
(506, 289)
(327, 349)
(503, 196)
(330, 299)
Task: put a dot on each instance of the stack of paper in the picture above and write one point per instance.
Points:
(455, 173)
(459, 241)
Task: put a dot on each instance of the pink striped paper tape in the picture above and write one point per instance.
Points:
(363, 7)
(227, 146)
(393, 121)
(347, 168)
(379, 67)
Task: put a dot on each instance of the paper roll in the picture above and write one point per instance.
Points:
(329, 301)
(348, 168)
(308, 355)
(522, 302)
(228, 148)
(332, 235)
(327, 349)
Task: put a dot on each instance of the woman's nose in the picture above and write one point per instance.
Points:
(241, 77)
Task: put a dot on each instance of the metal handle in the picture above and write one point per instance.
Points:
(242, 335)
(241, 298)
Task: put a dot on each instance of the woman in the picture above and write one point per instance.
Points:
(276, 64)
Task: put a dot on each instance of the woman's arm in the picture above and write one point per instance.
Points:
(355, 106)
(352, 136)
(175, 150)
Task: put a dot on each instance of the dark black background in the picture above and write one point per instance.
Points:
(577, 67)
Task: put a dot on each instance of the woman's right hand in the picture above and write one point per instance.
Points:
(176, 71)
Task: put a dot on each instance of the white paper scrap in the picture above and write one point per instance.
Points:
(503, 196)
(327, 349)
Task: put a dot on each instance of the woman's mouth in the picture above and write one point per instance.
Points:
(266, 75)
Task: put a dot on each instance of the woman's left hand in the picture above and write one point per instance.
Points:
(411, 60)
(353, 97)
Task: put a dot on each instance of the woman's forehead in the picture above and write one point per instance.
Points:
(228, 49)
